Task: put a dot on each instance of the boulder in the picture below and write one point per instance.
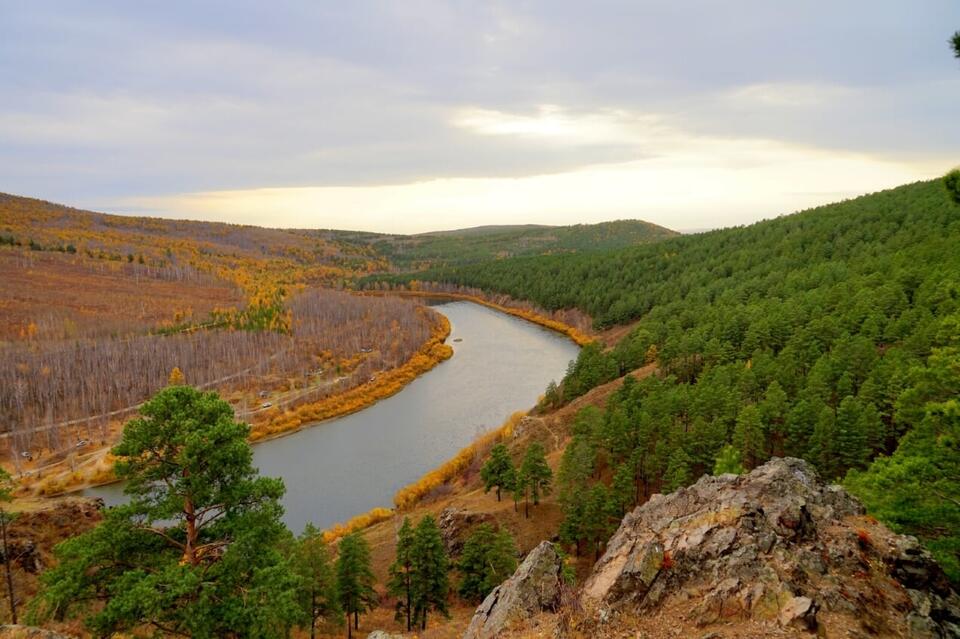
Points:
(534, 587)
(776, 546)
(383, 634)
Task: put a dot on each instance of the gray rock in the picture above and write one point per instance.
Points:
(535, 586)
(776, 546)
(383, 634)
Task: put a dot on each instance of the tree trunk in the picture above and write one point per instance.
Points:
(313, 614)
(409, 622)
(349, 627)
(498, 493)
(6, 561)
(356, 620)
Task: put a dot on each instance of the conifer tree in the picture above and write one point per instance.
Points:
(596, 517)
(488, 558)
(622, 490)
(319, 585)
(677, 474)
(355, 579)
(200, 527)
(728, 461)
(499, 471)
(401, 573)
(572, 527)
(535, 475)
(431, 566)
(748, 437)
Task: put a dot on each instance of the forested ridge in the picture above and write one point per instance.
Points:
(827, 335)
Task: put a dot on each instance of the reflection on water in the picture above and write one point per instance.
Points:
(351, 464)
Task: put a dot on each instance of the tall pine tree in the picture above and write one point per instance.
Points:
(355, 579)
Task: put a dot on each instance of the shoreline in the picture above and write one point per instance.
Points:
(576, 335)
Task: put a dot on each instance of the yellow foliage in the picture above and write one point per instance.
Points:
(387, 383)
(176, 377)
(359, 522)
(412, 494)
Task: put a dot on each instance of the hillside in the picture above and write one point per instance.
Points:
(827, 335)
(480, 244)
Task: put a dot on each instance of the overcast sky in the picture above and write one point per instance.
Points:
(416, 115)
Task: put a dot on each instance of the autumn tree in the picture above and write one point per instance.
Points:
(318, 587)
(355, 579)
(176, 377)
(488, 558)
(499, 471)
(401, 573)
(196, 550)
(535, 475)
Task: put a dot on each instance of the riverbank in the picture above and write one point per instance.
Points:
(98, 469)
(580, 337)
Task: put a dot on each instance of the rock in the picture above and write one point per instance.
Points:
(799, 612)
(535, 586)
(456, 525)
(29, 632)
(383, 634)
(774, 547)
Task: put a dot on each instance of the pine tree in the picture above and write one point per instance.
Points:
(850, 440)
(499, 471)
(401, 574)
(728, 461)
(535, 475)
(677, 474)
(355, 579)
(488, 558)
(596, 517)
(823, 444)
(748, 437)
(200, 527)
(572, 527)
(431, 565)
(622, 490)
(319, 585)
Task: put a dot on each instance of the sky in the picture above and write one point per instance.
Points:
(418, 115)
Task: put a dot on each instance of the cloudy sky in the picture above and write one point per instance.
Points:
(416, 115)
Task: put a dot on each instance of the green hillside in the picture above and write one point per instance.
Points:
(485, 243)
(827, 334)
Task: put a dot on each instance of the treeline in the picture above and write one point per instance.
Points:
(827, 335)
(52, 393)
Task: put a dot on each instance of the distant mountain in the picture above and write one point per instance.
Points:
(484, 243)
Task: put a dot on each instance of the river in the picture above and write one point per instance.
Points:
(348, 465)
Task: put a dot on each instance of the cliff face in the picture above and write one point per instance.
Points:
(776, 551)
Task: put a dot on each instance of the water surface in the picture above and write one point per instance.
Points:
(348, 465)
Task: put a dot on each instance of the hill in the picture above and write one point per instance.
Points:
(827, 335)
(484, 243)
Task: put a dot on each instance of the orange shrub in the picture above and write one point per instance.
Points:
(359, 522)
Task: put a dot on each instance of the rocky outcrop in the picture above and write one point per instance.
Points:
(456, 524)
(383, 634)
(776, 547)
(534, 587)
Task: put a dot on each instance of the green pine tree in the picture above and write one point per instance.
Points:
(535, 475)
(677, 474)
(196, 551)
(488, 558)
(748, 437)
(431, 566)
(355, 579)
(499, 471)
(728, 461)
(572, 528)
(318, 582)
(401, 574)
